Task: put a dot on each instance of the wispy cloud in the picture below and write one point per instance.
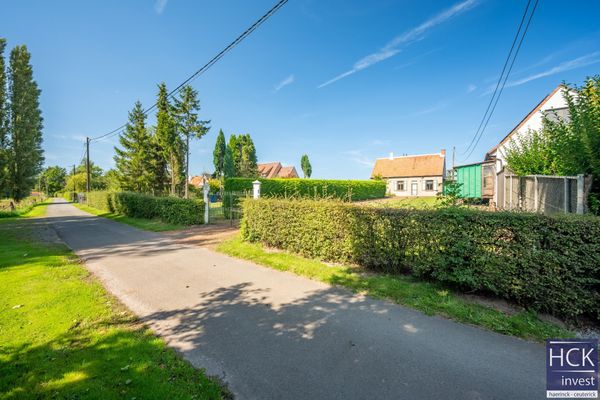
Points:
(578, 62)
(287, 81)
(159, 6)
(360, 158)
(79, 138)
(394, 46)
(471, 88)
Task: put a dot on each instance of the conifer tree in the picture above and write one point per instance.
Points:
(305, 165)
(134, 158)
(25, 154)
(170, 144)
(189, 126)
(219, 154)
(3, 123)
(228, 165)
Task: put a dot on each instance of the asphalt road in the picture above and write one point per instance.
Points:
(274, 335)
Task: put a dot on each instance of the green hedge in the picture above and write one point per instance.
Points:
(549, 264)
(354, 190)
(168, 209)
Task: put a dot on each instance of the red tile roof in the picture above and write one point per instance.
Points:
(275, 170)
(407, 166)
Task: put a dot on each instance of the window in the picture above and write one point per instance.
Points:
(400, 186)
(429, 185)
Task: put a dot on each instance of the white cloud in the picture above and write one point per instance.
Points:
(287, 81)
(393, 47)
(358, 157)
(79, 138)
(160, 5)
(471, 88)
(578, 62)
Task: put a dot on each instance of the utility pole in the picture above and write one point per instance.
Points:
(87, 163)
(187, 165)
(453, 153)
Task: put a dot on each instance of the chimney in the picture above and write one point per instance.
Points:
(391, 156)
(443, 152)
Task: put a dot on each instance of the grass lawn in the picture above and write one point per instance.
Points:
(36, 210)
(427, 297)
(142, 223)
(404, 202)
(62, 336)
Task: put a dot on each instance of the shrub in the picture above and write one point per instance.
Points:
(549, 264)
(168, 209)
(354, 190)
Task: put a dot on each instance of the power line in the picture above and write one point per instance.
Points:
(206, 66)
(501, 79)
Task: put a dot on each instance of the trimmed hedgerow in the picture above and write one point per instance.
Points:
(548, 264)
(168, 209)
(353, 190)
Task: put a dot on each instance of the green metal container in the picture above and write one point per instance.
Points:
(470, 178)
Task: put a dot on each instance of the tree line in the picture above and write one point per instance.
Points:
(155, 159)
(21, 123)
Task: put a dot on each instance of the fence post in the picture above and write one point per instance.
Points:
(566, 194)
(205, 189)
(510, 202)
(535, 194)
(256, 189)
(580, 198)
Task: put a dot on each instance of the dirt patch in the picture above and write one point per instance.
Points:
(205, 235)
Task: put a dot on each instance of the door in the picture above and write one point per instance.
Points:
(414, 187)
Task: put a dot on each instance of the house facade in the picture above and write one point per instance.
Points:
(554, 106)
(412, 176)
(276, 170)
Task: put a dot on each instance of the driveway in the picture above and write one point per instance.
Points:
(274, 335)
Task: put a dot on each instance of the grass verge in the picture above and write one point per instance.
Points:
(141, 223)
(428, 297)
(63, 336)
(32, 211)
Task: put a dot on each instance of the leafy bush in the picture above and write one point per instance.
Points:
(168, 209)
(549, 264)
(20, 207)
(354, 190)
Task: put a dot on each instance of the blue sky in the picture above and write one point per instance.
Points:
(343, 81)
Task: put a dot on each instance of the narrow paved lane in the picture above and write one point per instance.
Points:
(274, 335)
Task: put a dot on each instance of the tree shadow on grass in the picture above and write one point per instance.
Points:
(103, 361)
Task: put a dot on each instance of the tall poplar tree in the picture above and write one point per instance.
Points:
(219, 154)
(170, 144)
(3, 123)
(134, 158)
(305, 165)
(25, 155)
(189, 126)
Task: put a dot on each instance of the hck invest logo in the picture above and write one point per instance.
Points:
(572, 368)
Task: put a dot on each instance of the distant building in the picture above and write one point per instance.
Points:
(276, 170)
(198, 180)
(418, 175)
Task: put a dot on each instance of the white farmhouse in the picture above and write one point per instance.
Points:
(553, 105)
(412, 176)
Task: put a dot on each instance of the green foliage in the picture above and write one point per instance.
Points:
(188, 125)
(228, 164)
(134, 160)
(306, 167)
(53, 179)
(170, 145)
(564, 146)
(354, 190)
(451, 194)
(4, 112)
(243, 154)
(22, 208)
(21, 131)
(168, 209)
(219, 154)
(548, 264)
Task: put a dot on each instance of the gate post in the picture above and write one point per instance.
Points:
(580, 198)
(256, 189)
(205, 189)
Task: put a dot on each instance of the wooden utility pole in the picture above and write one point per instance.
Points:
(87, 163)
(453, 153)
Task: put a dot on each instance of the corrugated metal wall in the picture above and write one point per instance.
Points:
(470, 178)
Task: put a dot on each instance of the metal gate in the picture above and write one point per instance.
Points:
(225, 206)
